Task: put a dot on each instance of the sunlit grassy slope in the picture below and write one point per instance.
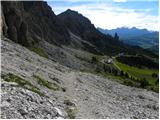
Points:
(137, 72)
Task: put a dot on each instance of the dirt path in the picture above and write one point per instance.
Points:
(75, 93)
(69, 83)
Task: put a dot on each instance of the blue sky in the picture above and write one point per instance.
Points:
(110, 14)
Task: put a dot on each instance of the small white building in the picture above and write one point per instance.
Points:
(108, 61)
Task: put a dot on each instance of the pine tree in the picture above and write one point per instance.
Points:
(121, 73)
(144, 83)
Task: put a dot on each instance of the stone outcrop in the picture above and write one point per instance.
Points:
(30, 22)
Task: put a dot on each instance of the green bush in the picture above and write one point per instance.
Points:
(144, 83)
(94, 60)
(128, 83)
(132, 78)
(121, 73)
(126, 75)
(154, 75)
(38, 50)
(106, 68)
(155, 88)
(21, 82)
(157, 81)
(47, 84)
(71, 113)
(71, 109)
(115, 72)
(98, 69)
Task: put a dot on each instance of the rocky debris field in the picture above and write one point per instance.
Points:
(36, 87)
(21, 103)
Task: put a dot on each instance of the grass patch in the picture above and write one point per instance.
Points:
(71, 109)
(137, 72)
(21, 82)
(144, 75)
(38, 50)
(47, 84)
(71, 112)
(36, 90)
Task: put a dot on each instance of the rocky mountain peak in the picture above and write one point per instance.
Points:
(76, 22)
(32, 21)
(71, 11)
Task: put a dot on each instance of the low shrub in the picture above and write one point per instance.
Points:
(143, 83)
(45, 83)
(21, 82)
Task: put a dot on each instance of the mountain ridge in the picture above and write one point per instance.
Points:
(135, 36)
(125, 30)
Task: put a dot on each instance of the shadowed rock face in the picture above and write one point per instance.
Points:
(29, 22)
(82, 26)
(76, 22)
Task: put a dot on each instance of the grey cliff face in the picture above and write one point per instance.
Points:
(30, 22)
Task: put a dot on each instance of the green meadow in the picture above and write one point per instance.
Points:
(139, 73)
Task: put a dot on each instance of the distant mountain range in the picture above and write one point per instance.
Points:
(134, 36)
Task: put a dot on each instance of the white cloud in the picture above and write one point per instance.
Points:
(120, 0)
(109, 17)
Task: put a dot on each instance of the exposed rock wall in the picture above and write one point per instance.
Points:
(29, 22)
